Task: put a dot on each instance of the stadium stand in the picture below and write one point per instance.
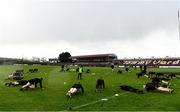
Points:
(94, 60)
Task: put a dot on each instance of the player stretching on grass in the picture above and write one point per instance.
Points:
(100, 84)
(156, 86)
(74, 89)
(31, 82)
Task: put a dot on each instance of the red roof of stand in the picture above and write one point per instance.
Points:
(93, 56)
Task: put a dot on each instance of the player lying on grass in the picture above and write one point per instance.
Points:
(142, 73)
(162, 81)
(15, 83)
(100, 85)
(74, 89)
(172, 75)
(119, 72)
(164, 74)
(33, 70)
(18, 75)
(157, 86)
(131, 89)
(32, 82)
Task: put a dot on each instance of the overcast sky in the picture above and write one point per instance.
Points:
(128, 28)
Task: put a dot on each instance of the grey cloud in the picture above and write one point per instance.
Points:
(46, 21)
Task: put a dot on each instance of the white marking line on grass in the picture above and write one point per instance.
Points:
(77, 107)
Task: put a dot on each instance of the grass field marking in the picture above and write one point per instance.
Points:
(77, 107)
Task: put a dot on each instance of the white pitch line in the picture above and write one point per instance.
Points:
(77, 107)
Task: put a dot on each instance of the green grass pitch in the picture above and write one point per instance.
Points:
(53, 97)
